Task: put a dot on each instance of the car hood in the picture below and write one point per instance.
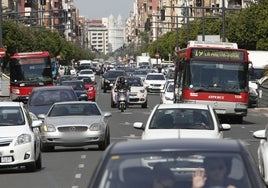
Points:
(12, 131)
(73, 120)
(136, 88)
(180, 133)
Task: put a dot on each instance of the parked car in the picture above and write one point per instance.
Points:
(87, 72)
(75, 123)
(108, 78)
(90, 87)
(144, 163)
(137, 92)
(154, 82)
(167, 94)
(78, 87)
(182, 120)
(262, 152)
(19, 137)
(42, 98)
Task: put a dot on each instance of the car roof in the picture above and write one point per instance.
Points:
(187, 144)
(11, 103)
(183, 105)
(54, 87)
(75, 102)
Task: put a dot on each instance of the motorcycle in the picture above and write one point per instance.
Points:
(122, 100)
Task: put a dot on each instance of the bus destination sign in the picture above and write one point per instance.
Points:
(218, 54)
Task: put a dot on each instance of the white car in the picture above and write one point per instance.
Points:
(137, 94)
(262, 152)
(87, 72)
(154, 82)
(19, 137)
(182, 121)
(167, 95)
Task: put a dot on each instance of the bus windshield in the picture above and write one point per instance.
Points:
(216, 76)
(30, 70)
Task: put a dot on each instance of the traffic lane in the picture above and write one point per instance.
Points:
(65, 167)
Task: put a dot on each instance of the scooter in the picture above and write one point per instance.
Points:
(122, 100)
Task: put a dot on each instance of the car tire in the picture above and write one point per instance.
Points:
(144, 105)
(113, 105)
(39, 162)
(103, 144)
(104, 90)
(31, 167)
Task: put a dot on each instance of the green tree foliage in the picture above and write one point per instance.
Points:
(20, 38)
(248, 28)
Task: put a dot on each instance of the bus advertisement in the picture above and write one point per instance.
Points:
(214, 74)
(29, 70)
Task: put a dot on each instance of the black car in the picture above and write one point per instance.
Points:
(78, 87)
(177, 163)
(109, 78)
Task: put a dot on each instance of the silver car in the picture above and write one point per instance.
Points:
(75, 123)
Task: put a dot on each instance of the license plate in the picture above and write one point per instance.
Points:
(6, 159)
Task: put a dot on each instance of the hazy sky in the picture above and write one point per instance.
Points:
(96, 9)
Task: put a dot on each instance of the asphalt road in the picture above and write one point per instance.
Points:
(73, 167)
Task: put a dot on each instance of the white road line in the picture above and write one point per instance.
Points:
(78, 176)
(81, 166)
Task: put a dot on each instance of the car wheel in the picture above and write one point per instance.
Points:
(104, 90)
(31, 167)
(103, 144)
(113, 105)
(144, 105)
(38, 162)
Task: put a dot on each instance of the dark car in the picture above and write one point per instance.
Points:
(109, 78)
(177, 163)
(42, 98)
(78, 87)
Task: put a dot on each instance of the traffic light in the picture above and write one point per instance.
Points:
(162, 11)
(43, 2)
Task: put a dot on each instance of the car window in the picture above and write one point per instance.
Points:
(74, 110)
(40, 98)
(181, 119)
(155, 77)
(11, 116)
(141, 170)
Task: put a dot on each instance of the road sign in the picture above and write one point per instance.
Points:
(156, 55)
(2, 52)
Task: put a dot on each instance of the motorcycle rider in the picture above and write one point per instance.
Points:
(122, 84)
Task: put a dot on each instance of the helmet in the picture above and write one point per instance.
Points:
(121, 80)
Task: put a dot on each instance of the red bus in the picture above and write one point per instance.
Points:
(29, 70)
(214, 74)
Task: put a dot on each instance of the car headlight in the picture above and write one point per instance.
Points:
(23, 139)
(95, 127)
(107, 81)
(48, 128)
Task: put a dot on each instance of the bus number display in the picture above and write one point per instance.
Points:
(218, 54)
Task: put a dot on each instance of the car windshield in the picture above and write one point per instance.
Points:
(130, 169)
(155, 77)
(78, 109)
(181, 118)
(48, 97)
(11, 116)
(134, 81)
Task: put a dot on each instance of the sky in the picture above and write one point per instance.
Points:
(97, 9)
